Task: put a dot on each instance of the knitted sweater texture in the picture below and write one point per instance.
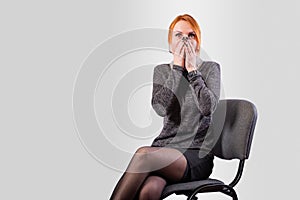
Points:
(186, 101)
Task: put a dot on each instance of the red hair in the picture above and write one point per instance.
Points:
(192, 22)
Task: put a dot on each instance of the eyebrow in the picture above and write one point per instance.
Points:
(189, 32)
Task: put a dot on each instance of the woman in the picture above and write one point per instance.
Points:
(185, 92)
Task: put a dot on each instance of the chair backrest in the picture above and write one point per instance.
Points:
(237, 128)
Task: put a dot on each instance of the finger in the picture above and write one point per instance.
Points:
(178, 44)
(181, 50)
(188, 51)
(188, 56)
(175, 46)
(178, 47)
(185, 50)
(191, 48)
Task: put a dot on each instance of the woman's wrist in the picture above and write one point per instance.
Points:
(192, 74)
(179, 68)
(190, 69)
(179, 62)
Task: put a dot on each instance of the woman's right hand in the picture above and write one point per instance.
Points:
(178, 51)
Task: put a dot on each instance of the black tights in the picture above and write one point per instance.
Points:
(148, 172)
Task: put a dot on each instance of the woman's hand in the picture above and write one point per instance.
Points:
(190, 55)
(179, 53)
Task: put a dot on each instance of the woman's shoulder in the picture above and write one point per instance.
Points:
(162, 67)
(210, 65)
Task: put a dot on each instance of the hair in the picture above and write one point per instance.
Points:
(193, 23)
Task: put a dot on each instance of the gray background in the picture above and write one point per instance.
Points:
(43, 45)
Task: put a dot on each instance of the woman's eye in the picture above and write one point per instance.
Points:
(191, 35)
(178, 35)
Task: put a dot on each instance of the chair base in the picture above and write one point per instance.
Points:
(191, 189)
(226, 189)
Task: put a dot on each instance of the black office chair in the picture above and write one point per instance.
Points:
(234, 142)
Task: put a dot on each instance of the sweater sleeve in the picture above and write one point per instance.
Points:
(164, 89)
(208, 91)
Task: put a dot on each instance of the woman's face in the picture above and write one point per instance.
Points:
(181, 31)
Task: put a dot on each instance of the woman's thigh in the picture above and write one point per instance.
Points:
(169, 163)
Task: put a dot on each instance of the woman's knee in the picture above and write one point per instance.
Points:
(143, 150)
(139, 162)
(152, 188)
(154, 158)
(149, 158)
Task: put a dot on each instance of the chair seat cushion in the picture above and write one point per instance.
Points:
(183, 188)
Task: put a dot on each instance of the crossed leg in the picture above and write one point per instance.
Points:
(138, 180)
(152, 188)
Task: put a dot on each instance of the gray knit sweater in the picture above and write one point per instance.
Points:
(186, 100)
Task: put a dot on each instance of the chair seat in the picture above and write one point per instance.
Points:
(188, 187)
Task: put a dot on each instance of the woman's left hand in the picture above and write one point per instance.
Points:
(190, 55)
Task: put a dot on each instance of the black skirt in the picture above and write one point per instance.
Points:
(197, 168)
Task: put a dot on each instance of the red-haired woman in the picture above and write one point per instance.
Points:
(185, 93)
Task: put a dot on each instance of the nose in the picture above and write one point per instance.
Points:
(185, 38)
